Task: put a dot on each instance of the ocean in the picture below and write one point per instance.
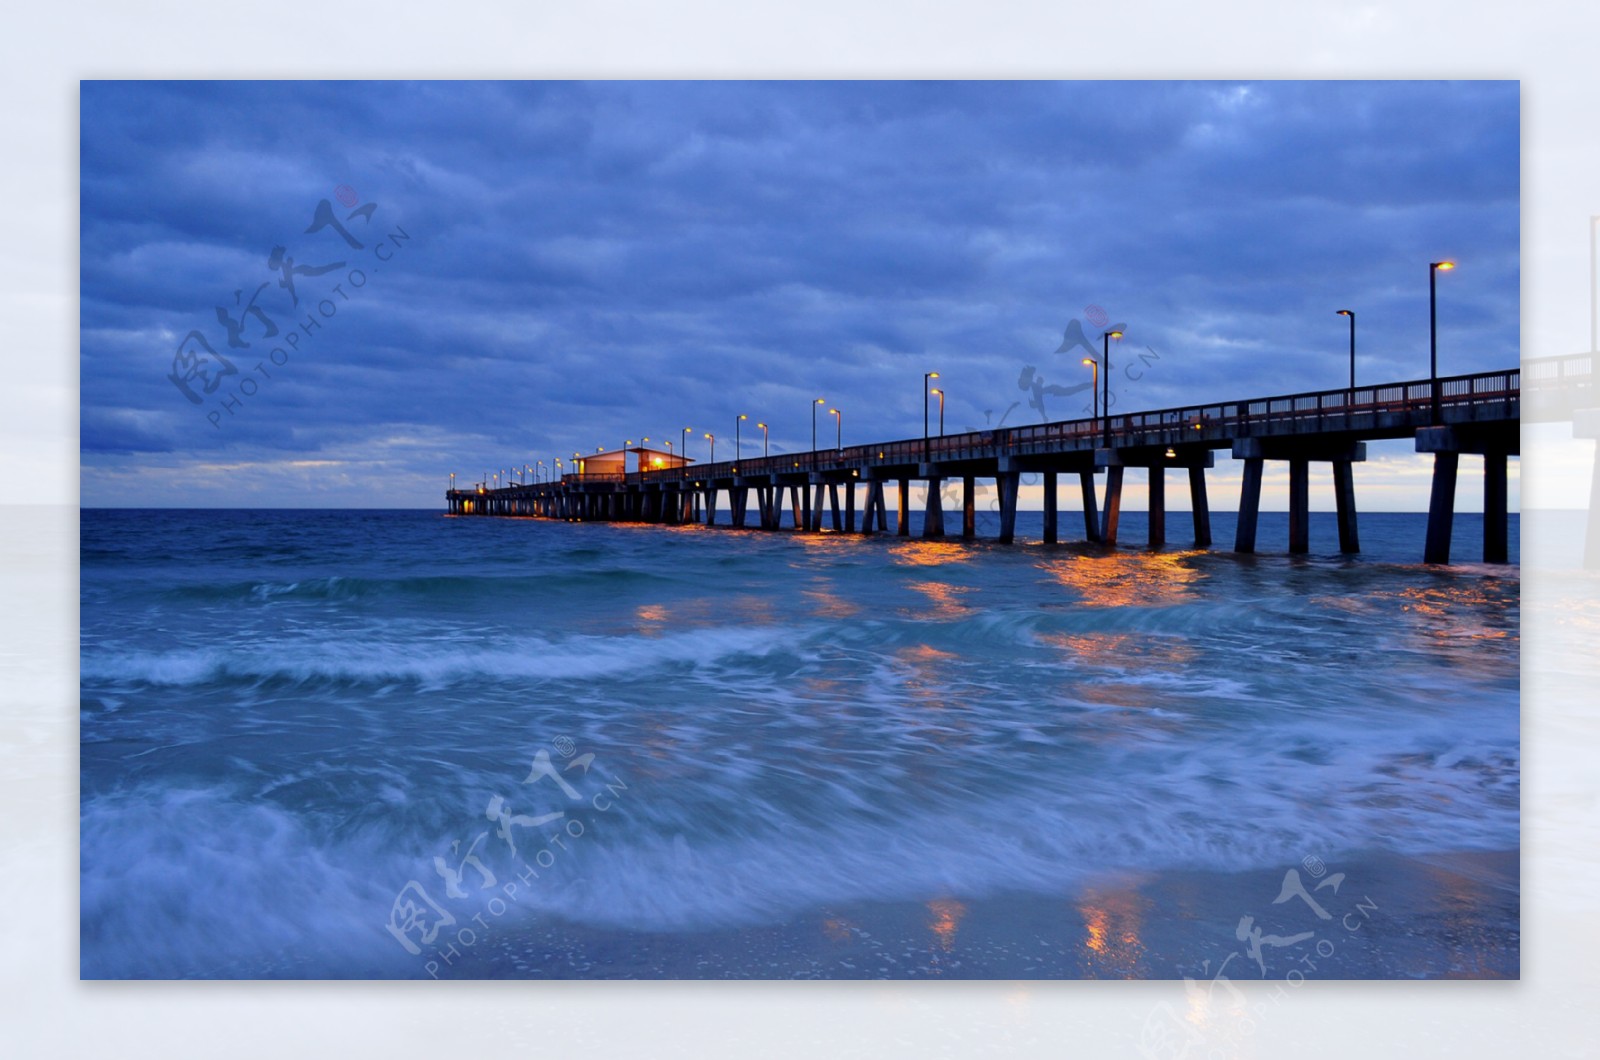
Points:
(395, 744)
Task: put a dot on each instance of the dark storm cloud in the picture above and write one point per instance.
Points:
(596, 262)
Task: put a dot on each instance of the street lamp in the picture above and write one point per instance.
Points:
(763, 427)
(940, 392)
(1094, 386)
(1594, 306)
(1351, 313)
(925, 377)
(713, 440)
(1105, 385)
(452, 482)
(838, 438)
(1434, 268)
(737, 445)
(684, 446)
(819, 401)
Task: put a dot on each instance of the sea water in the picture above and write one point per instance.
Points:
(339, 743)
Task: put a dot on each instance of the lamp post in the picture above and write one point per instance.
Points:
(763, 427)
(1434, 268)
(713, 440)
(925, 377)
(838, 437)
(1094, 389)
(1105, 386)
(940, 392)
(814, 404)
(1594, 306)
(452, 482)
(738, 446)
(1351, 313)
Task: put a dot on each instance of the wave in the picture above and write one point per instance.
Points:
(433, 659)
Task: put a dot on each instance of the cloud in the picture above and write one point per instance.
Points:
(591, 262)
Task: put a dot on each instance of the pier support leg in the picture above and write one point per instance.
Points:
(903, 527)
(1007, 481)
(816, 509)
(1113, 510)
(1201, 506)
(801, 518)
(1344, 499)
(933, 511)
(1244, 537)
(1091, 509)
(1050, 515)
(711, 506)
(739, 500)
(833, 506)
(1299, 506)
(1441, 508)
(1496, 544)
(1158, 506)
(1591, 541)
(874, 502)
(849, 507)
(969, 507)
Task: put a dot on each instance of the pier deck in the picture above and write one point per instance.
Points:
(1476, 414)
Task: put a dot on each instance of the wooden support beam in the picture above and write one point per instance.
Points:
(1299, 505)
(833, 506)
(903, 527)
(933, 511)
(1113, 510)
(1496, 529)
(1344, 498)
(1201, 507)
(1244, 538)
(1091, 510)
(969, 507)
(1158, 506)
(1050, 535)
(1441, 508)
(1007, 482)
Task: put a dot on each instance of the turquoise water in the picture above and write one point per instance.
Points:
(301, 731)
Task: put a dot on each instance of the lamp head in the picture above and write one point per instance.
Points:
(1442, 266)
(1345, 313)
(1114, 334)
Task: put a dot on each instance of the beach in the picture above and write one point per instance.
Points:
(399, 745)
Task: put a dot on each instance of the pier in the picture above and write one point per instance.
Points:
(847, 488)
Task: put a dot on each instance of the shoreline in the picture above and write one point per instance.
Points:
(1435, 916)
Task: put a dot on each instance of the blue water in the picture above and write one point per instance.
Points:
(287, 717)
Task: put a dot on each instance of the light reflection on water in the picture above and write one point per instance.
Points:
(803, 719)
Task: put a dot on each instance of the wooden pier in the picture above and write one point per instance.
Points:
(1475, 414)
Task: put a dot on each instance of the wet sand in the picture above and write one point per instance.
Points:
(1440, 916)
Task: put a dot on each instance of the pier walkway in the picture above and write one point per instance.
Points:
(1474, 414)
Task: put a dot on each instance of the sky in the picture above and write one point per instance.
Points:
(461, 277)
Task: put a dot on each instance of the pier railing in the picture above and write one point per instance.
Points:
(1394, 408)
